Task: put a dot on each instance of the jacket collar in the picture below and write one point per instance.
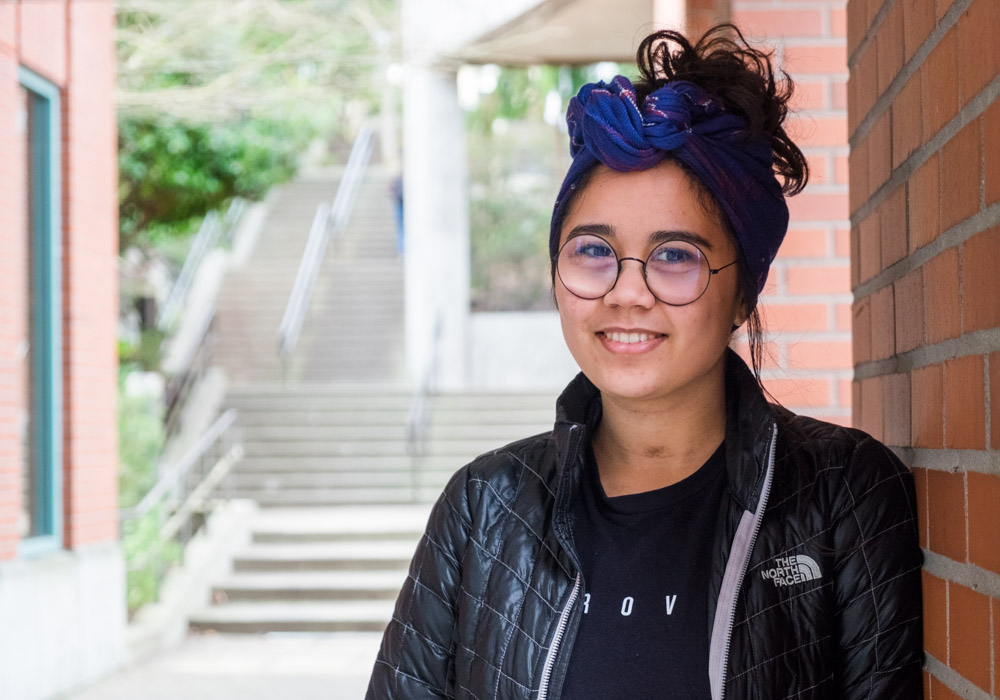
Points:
(749, 422)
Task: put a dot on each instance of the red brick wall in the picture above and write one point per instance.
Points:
(71, 45)
(11, 285)
(806, 304)
(925, 213)
(91, 277)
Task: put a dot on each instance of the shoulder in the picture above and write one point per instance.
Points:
(849, 462)
(524, 466)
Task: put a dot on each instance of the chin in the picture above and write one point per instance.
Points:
(630, 384)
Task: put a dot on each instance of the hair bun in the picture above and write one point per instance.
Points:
(738, 75)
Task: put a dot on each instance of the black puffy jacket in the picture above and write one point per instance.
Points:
(815, 582)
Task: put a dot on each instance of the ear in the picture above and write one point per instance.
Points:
(742, 312)
(740, 318)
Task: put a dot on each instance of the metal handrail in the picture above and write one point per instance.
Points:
(418, 418)
(329, 222)
(212, 228)
(184, 500)
(175, 473)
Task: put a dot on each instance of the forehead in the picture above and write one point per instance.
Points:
(637, 207)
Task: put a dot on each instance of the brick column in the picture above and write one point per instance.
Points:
(806, 303)
(90, 280)
(12, 285)
(925, 208)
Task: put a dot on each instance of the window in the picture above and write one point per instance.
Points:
(40, 342)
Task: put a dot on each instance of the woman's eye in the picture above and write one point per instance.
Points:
(595, 250)
(674, 255)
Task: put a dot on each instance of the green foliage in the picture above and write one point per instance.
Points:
(140, 441)
(218, 99)
(173, 172)
(147, 560)
(513, 175)
(144, 355)
(508, 260)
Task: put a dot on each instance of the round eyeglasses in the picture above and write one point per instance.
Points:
(676, 272)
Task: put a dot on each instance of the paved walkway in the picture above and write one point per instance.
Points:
(273, 666)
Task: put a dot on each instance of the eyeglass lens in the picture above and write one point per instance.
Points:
(676, 272)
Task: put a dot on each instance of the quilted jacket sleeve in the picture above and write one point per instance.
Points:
(416, 660)
(877, 582)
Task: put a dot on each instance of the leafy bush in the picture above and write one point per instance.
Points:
(172, 171)
(140, 441)
(147, 559)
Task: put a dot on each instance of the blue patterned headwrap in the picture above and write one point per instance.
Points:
(606, 125)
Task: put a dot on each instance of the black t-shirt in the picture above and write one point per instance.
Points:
(645, 561)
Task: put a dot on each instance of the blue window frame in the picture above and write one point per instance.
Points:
(41, 526)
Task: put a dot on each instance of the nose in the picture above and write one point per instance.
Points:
(630, 289)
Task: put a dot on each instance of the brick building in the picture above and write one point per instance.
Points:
(61, 573)
(925, 237)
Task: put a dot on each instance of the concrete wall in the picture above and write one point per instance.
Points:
(63, 613)
(518, 351)
(925, 237)
(63, 620)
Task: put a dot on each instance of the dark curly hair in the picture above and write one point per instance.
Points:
(742, 78)
(738, 75)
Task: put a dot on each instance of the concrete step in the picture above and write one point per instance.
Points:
(458, 448)
(268, 482)
(396, 417)
(499, 433)
(427, 492)
(327, 556)
(333, 464)
(316, 397)
(339, 585)
(351, 522)
(304, 616)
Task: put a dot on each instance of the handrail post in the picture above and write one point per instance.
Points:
(418, 419)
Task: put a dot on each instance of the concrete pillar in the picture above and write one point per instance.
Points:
(670, 14)
(435, 180)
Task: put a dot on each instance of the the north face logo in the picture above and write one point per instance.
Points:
(797, 568)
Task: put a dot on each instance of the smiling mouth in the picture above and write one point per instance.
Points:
(630, 338)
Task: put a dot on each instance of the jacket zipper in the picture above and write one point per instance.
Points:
(550, 658)
(761, 506)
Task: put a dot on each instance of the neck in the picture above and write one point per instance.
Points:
(641, 445)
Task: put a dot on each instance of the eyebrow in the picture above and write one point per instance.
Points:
(655, 238)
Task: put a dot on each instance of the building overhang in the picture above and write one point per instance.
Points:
(561, 32)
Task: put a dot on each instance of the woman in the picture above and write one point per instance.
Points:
(675, 535)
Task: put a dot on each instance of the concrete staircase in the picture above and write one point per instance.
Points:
(342, 503)
(317, 570)
(327, 463)
(353, 329)
(324, 445)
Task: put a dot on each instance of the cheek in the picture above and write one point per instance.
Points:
(571, 309)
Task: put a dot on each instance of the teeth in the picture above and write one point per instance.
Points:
(628, 338)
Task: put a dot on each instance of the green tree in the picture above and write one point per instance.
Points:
(218, 98)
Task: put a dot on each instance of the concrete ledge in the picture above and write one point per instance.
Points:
(207, 558)
(63, 620)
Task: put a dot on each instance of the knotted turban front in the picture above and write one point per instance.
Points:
(607, 125)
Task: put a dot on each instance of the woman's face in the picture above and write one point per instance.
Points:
(684, 350)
